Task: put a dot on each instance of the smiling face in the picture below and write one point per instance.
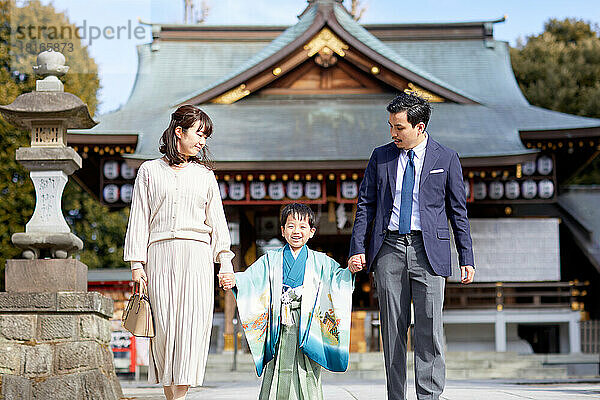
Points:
(297, 231)
(190, 141)
(404, 135)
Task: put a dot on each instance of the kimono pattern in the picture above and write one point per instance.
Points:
(324, 332)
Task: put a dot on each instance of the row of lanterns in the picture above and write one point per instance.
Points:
(511, 190)
(259, 190)
(115, 170)
(543, 165)
(277, 190)
(114, 193)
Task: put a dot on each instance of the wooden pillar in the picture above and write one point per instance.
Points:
(233, 217)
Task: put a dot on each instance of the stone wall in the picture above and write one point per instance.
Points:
(56, 346)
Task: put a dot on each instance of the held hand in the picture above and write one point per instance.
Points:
(227, 280)
(467, 273)
(356, 263)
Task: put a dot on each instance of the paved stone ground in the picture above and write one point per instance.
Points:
(366, 390)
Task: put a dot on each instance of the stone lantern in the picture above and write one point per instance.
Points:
(54, 334)
(48, 113)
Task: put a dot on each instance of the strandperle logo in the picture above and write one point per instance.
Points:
(84, 32)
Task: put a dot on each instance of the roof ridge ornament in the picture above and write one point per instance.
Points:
(430, 97)
(233, 95)
(327, 41)
(328, 4)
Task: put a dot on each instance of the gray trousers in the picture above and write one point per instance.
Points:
(402, 274)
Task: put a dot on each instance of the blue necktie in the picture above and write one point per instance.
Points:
(408, 183)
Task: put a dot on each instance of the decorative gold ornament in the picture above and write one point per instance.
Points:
(232, 96)
(326, 39)
(430, 97)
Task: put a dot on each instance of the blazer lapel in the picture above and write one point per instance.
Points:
(432, 153)
(392, 167)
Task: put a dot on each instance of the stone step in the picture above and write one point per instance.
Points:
(471, 365)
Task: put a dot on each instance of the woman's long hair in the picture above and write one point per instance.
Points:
(185, 117)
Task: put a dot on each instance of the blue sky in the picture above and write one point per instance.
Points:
(117, 58)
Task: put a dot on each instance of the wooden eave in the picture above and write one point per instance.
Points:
(409, 31)
(497, 161)
(346, 165)
(558, 134)
(292, 54)
(95, 139)
(224, 33)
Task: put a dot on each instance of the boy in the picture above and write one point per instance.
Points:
(294, 304)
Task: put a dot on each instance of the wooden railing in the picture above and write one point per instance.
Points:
(502, 295)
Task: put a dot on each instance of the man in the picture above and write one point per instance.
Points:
(410, 190)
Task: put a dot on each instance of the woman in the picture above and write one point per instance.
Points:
(177, 231)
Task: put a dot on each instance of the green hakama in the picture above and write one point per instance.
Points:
(291, 375)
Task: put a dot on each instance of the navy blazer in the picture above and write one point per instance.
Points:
(442, 198)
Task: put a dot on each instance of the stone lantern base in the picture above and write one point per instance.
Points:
(55, 345)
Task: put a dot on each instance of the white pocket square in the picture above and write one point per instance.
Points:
(437, 171)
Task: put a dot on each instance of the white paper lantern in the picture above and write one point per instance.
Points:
(496, 190)
(512, 190)
(312, 190)
(544, 165)
(276, 190)
(126, 193)
(294, 190)
(546, 188)
(258, 190)
(529, 189)
(528, 168)
(237, 190)
(479, 190)
(127, 172)
(111, 193)
(467, 188)
(111, 170)
(349, 189)
(223, 190)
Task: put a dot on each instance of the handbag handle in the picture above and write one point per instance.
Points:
(137, 288)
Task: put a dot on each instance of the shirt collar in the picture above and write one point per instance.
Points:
(418, 149)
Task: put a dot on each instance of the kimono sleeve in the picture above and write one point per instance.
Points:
(328, 341)
(253, 296)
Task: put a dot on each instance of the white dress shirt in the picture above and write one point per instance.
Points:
(415, 218)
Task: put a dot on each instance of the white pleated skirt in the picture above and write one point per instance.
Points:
(181, 288)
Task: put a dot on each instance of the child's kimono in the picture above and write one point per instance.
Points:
(296, 317)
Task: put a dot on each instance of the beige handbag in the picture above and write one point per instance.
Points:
(137, 317)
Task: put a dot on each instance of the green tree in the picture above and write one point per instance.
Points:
(102, 231)
(559, 69)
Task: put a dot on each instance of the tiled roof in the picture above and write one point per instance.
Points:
(331, 129)
(330, 125)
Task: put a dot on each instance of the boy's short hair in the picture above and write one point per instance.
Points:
(298, 211)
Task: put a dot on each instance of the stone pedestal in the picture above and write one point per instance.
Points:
(33, 276)
(56, 346)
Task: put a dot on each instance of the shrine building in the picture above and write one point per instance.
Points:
(297, 112)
